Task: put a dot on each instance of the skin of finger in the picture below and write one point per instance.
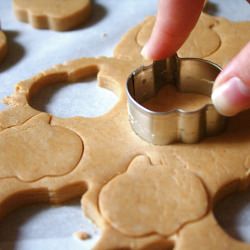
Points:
(175, 20)
(238, 67)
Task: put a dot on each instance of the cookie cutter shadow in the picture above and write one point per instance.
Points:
(98, 12)
(228, 213)
(15, 51)
(211, 9)
(11, 225)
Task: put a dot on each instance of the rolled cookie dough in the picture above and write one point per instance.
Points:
(56, 14)
(150, 190)
(184, 180)
(121, 177)
(3, 45)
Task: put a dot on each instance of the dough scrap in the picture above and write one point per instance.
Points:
(110, 146)
(3, 45)
(57, 15)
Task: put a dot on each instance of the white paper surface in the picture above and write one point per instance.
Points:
(31, 51)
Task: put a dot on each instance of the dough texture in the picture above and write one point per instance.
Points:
(174, 190)
(168, 98)
(58, 15)
(141, 196)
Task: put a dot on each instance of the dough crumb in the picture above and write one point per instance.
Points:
(81, 236)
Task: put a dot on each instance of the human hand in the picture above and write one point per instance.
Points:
(231, 93)
(175, 20)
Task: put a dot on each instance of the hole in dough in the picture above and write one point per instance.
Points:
(233, 215)
(82, 98)
(44, 226)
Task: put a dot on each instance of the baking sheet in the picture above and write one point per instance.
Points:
(30, 51)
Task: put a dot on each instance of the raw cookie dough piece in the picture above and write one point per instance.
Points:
(36, 149)
(52, 14)
(3, 45)
(158, 199)
(168, 98)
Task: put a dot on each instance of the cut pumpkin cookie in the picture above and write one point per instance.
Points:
(166, 198)
(3, 45)
(58, 15)
(57, 156)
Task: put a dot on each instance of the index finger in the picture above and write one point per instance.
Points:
(175, 20)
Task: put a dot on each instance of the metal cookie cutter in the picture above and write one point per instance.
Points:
(188, 75)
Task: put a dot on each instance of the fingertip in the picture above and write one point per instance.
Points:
(231, 97)
(145, 53)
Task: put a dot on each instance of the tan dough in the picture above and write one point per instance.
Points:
(233, 36)
(17, 143)
(56, 15)
(119, 176)
(154, 189)
(168, 98)
(3, 46)
(207, 235)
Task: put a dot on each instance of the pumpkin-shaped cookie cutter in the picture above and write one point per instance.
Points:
(191, 75)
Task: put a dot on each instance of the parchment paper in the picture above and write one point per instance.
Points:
(30, 51)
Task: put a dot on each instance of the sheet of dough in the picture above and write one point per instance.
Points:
(31, 46)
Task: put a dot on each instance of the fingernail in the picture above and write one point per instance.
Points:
(231, 97)
(144, 52)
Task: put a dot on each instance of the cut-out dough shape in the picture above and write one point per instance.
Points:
(3, 45)
(110, 147)
(60, 150)
(166, 197)
(56, 15)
